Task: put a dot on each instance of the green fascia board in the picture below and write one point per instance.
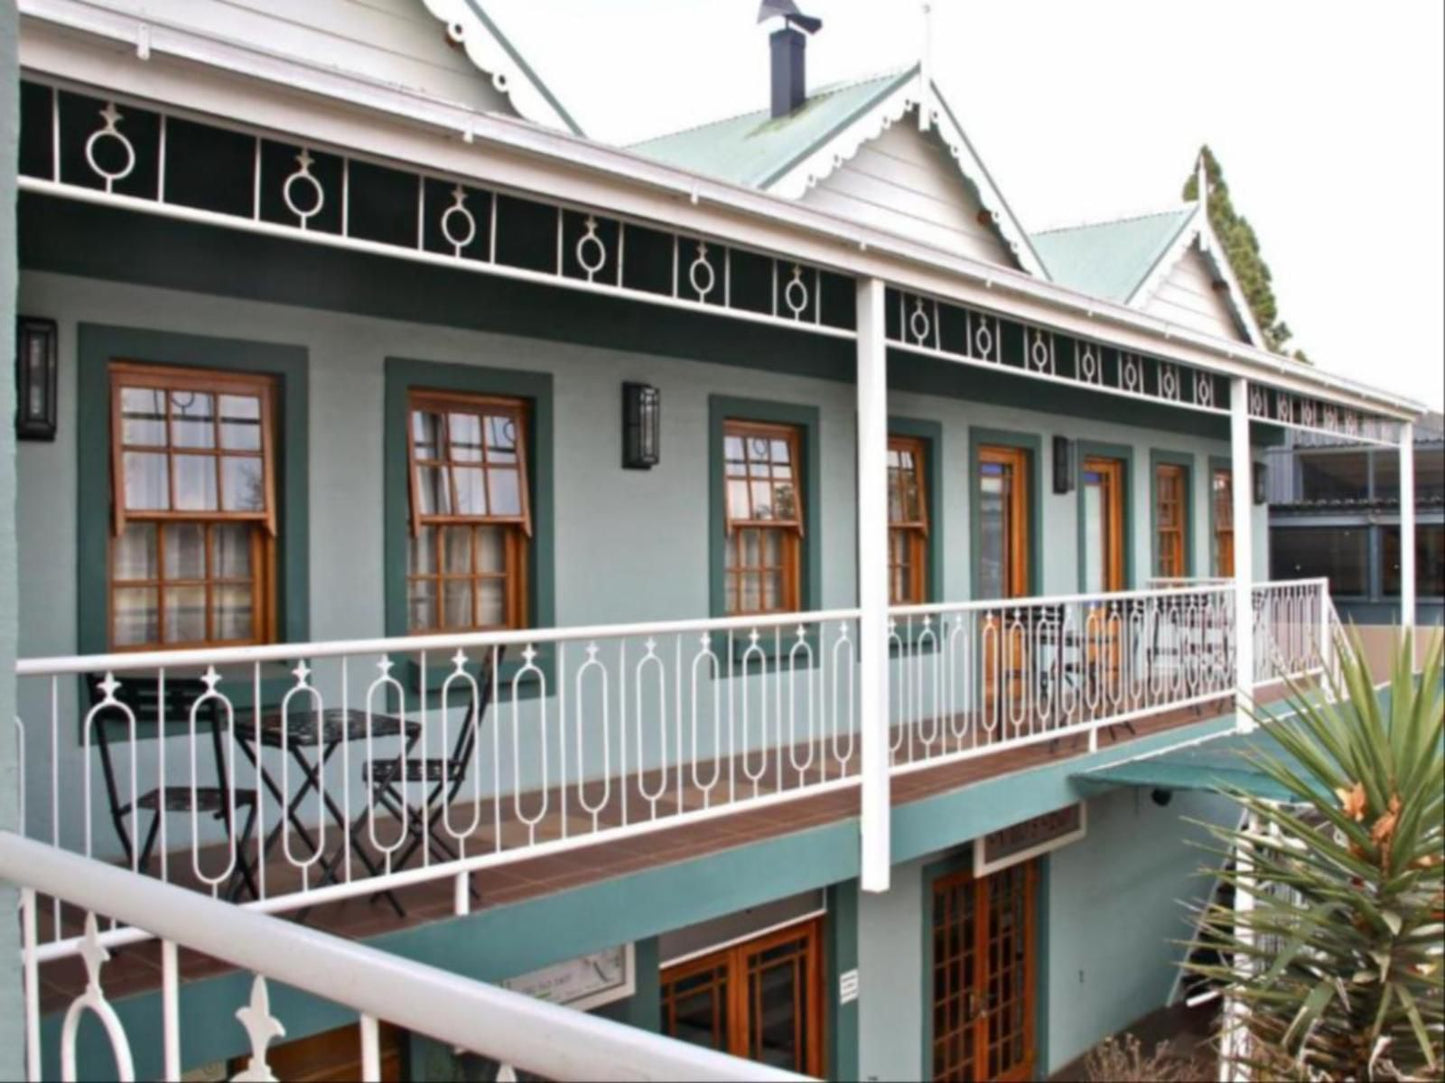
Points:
(1158, 458)
(97, 346)
(1095, 449)
(722, 409)
(1033, 444)
(931, 433)
(524, 67)
(757, 149)
(1110, 260)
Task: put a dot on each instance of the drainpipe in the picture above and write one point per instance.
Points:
(1242, 492)
(872, 386)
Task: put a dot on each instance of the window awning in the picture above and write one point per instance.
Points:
(1225, 761)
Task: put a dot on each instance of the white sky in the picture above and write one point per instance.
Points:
(1327, 118)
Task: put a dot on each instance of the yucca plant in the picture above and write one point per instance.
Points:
(1335, 971)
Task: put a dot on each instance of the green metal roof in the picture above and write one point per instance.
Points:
(755, 149)
(1221, 762)
(1110, 260)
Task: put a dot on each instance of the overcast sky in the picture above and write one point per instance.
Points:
(1327, 118)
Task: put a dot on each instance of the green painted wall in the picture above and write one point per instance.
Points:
(11, 1014)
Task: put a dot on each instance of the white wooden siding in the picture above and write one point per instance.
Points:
(905, 181)
(1187, 297)
(397, 42)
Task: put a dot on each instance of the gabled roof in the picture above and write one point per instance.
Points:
(786, 156)
(493, 52)
(1110, 260)
(1126, 260)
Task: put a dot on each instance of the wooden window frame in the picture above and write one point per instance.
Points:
(739, 529)
(1171, 536)
(517, 528)
(908, 535)
(124, 373)
(733, 963)
(1222, 506)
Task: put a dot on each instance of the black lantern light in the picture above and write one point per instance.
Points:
(35, 378)
(1064, 479)
(641, 426)
(1261, 486)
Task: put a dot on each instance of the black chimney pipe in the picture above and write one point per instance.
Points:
(790, 83)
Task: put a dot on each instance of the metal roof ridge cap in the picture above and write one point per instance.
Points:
(528, 137)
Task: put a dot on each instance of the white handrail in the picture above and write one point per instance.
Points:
(509, 1027)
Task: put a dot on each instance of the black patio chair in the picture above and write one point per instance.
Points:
(142, 696)
(387, 774)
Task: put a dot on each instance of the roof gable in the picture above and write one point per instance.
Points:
(497, 57)
(787, 156)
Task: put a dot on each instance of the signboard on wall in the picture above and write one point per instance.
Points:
(582, 983)
(1021, 841)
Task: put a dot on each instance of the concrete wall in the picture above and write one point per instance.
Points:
(1106, 957)
(11, 1013)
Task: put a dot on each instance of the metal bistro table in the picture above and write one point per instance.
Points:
(311, 738)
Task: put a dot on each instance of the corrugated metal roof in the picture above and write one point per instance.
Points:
(1109, 260)
(755, 149)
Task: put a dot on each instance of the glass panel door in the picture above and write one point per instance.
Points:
(1103, 512)
(1003, 536)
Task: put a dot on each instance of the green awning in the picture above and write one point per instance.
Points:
(1221, 762)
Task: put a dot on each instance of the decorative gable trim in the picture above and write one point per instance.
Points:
(1197, 230)
(491, 51)
(906, 94)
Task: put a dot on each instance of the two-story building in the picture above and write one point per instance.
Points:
(686, 582)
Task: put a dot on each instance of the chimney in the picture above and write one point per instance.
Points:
(790, 82)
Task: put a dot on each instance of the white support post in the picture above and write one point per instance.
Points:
(1407, 525)
(873, 582)
(1242, 491)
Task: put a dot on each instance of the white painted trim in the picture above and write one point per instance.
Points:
(982, 867)
(200, 73)
(495, 57)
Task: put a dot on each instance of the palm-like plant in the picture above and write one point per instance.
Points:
(1332, 967)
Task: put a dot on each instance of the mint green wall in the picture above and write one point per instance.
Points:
(11, 1014)
(890, 973)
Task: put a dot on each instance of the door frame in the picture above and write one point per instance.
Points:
(1038, 1021)
(1124, 454)
(733, 957)
(1032, 444)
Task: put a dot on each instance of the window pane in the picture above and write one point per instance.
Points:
(471, 495)
(1429, 561)
(1336, 552)
(457, 550)
(195, 482)
(491, 603)
(773, 591)
(243, 485)
(1387, 475)
(433, 494)
(135, 618)
(135, 552)
(751, 592)
(1334, 475)
(762, 493)
(193, 419)
(785, 502)
(240, 423)
(146, 485)
(491, 549)
(233, 614)
(1429, 473)
(506, 494)
(465, 431)
(1095, 551)
(426, 434)
(422, 605)
(738, 506)
(457, 602)
(185, 550)
(231, 551)
(142, 416)
(992, 532)
(185, 614)
(423, 550)
(733, 455)
(501, 440)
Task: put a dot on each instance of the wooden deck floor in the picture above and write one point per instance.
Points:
(136, 968)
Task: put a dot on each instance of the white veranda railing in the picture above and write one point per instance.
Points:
(512, 1029)
(292, 775)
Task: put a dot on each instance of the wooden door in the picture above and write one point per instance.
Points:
(1003, 572)
(984, 970)
(1222, 493)
(1103, 556)
(762, 999)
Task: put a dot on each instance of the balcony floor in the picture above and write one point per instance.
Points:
(136, 968)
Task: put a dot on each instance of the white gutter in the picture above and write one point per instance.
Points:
(149, 37)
